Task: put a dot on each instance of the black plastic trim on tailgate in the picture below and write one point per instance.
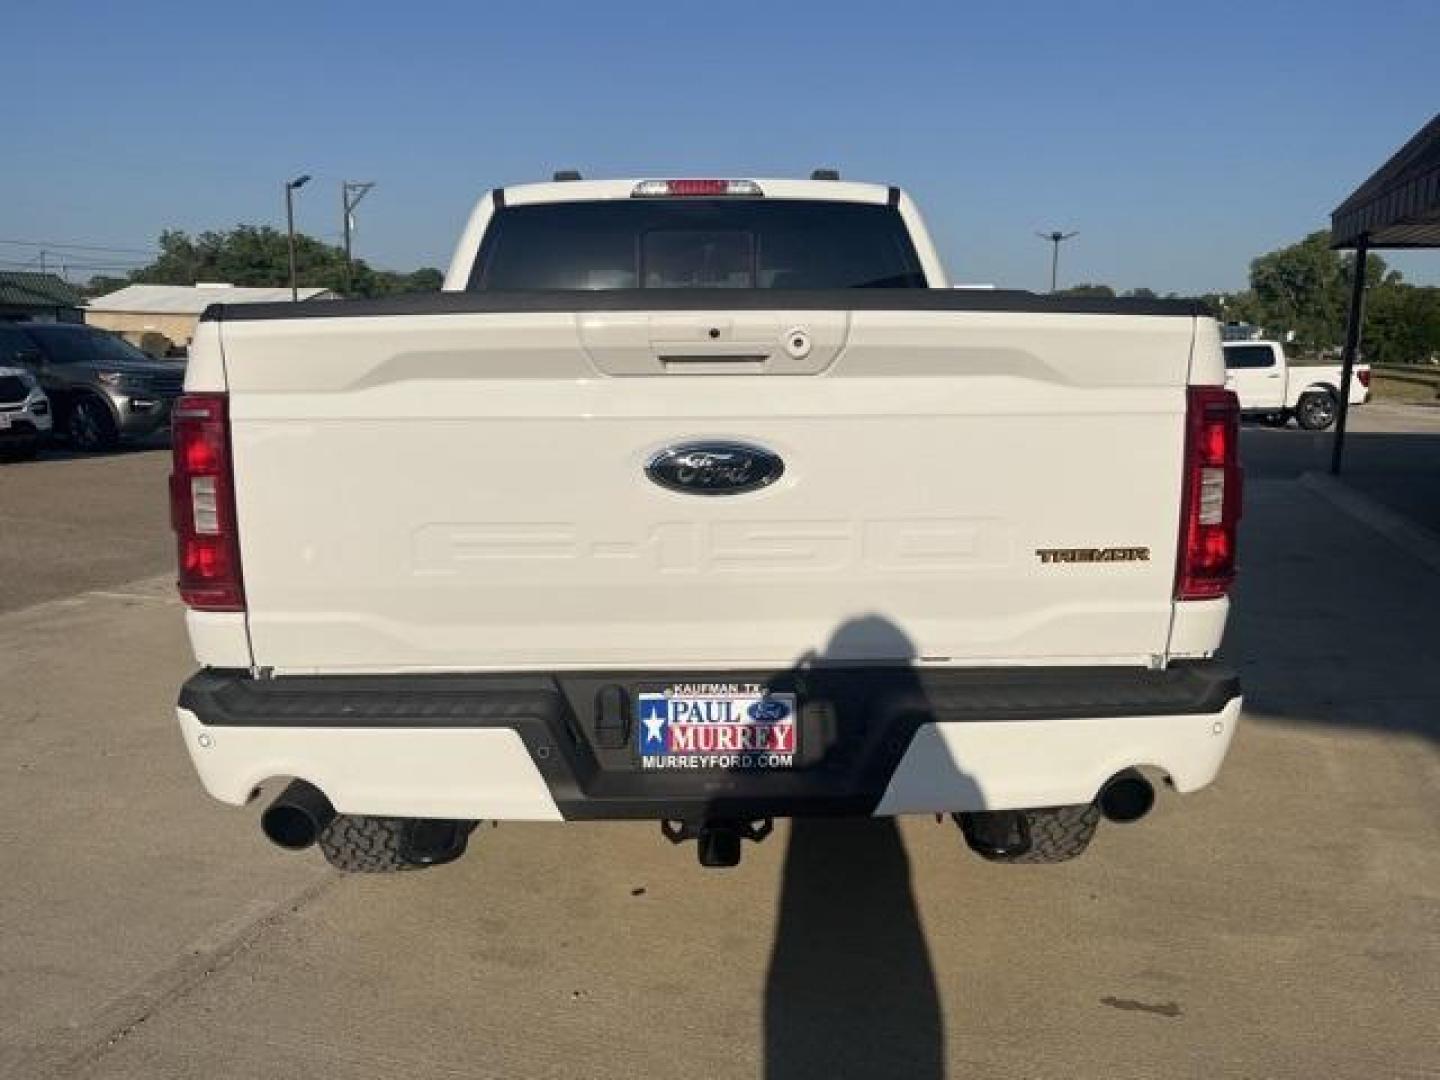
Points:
(581, 300)
(856, 723)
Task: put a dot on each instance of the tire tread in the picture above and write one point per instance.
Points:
(365, 845)
(1057, 833)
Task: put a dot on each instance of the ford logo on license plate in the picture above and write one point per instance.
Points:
(715, 468)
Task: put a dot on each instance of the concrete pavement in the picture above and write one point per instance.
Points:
(71, 523)
(1285, 922)
(1392, 455)
(118, 876)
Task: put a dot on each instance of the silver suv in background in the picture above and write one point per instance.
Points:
(25, 418)
(101, 387)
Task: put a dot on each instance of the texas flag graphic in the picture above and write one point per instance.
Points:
(654, 717)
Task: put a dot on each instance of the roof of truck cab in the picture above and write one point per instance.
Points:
(771, 188)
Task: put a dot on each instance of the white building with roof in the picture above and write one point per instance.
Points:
(161, 317)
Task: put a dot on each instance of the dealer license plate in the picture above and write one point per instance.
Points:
(4, 421)
(716, 726)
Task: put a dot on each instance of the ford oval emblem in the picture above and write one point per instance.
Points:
(715, 468)
(769, 710)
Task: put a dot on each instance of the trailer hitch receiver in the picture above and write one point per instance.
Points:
(717, 842)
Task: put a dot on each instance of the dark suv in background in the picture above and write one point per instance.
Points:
(100, 386)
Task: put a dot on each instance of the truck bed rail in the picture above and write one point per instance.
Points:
(564, 300)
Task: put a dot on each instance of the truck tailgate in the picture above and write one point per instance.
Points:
(468, 490)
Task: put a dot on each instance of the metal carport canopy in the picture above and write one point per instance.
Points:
(1398, 207)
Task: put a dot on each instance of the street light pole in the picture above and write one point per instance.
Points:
(1056, 238)
(290, 188)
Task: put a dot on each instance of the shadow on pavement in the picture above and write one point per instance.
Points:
(1399, 469)
(851, 991)
(1331, 623)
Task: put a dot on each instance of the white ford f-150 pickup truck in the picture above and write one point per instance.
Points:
(704, 502)
(1272, 389)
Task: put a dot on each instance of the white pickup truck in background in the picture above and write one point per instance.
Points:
(704, 502)
(1272, 389)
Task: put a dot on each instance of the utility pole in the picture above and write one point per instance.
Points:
(351, 192)
(290, 188)
(1056, 238)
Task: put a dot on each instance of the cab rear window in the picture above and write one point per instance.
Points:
(697, 244)
(1249, 356)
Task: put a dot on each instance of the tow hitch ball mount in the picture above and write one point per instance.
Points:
(717, 843)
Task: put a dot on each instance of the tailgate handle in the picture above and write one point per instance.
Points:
(718, 357)
(712, 342)
(692, 363)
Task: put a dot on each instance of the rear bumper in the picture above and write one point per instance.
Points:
(873, 741)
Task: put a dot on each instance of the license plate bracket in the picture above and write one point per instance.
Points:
(720, 726)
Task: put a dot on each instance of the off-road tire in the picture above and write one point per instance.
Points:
(1057, 834)
(365, 845)
(1316, 410)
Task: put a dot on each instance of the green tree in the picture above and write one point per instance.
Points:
(101, 284)
(1239, 307)
(259, 256)
(426, 279)
(1305, 289)
(1402, 324)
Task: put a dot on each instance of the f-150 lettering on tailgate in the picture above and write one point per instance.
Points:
(503, 549)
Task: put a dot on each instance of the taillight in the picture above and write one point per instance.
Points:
(649, 189)
(1210, 503)
(1364, 376)
(202, 504)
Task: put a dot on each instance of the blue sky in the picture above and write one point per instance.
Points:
(1179, 142)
